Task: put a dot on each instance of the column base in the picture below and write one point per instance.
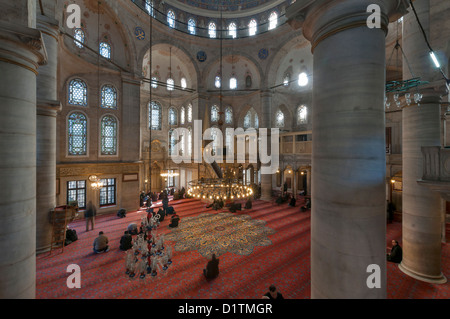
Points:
(441, 279)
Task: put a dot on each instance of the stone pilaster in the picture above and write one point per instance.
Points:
(348, 222)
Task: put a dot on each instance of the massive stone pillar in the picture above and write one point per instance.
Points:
(348, 221)
(47, 108)
(422, 208)
(265, 121)
(21, 52)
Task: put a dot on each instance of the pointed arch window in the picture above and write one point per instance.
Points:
(233, 83)
(79, 37)
(228, 115)
(183, 83)
(232, 30)
(105, 50)
(171, 19)
(303, 79)
(287, 79)
(77, 92)
(248, 120)
(172, 116)
(109, 135)
(256, 121)
(149, 7)
(77, 134)
(155, 114)
(189, 142)
(252, 27)
(217, 82)
(214, 113)
(170, 84)
(273, 20)
(189, 113)
(182, 115)
(191, 26)
(154, 82)
(212, 30)
(172, 142)
(279, 119)
(302, 113)
(109, 97)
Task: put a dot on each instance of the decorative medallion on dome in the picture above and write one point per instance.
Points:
(201, 56)
(263, 54)
(220, 233)
(139, 33)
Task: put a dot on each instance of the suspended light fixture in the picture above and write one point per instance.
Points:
(219, 188)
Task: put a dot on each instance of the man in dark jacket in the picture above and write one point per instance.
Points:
(396, 254)
(212, 268)
(126, 241)
(174, 221)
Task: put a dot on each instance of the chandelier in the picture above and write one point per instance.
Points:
(169, 173)
(95, 182)
(219, 188)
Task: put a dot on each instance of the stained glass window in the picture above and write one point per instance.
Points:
(172, 116)
(232, 30)
(109, 97)
(182, 115)
(233, 83)
(170, 84)
(214, 113)
(189, 141)
(108, 192)
(77, 92)
(79, 37)
(247, 120)
(77, 134)
(252, 27)
(273, 20)
(229, 115)
(76, 191)
(279, 119)
(149, 7)
(287, 79)
(155, 114)
(217, 82)
(302, 113)
(303, 79)
(171, 19)
(154, 82)
(105, 50)
(212, 30)
(256, 121)
(183, 83)
(191, 26)
(189, 113)
(109, 135)
(172, 142)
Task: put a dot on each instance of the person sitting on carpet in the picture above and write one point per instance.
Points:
(396, 253)
(248, 204)
(132, 229)
(126, 241)
(122, 213)
(101, 243)
(174, 220)
(273, 293)
(212, 268)
(307, 205)
(292, 202)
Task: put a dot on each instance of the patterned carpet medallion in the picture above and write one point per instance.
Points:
(220, 233)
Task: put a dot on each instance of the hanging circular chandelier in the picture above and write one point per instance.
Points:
(219, 188)
(95, 182)
(169, 173)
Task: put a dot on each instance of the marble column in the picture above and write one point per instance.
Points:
(21, 53)
(265, 122)
(422, 208)
(47, 108)
(348, 221)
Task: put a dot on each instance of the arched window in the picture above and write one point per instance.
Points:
(149, 7)
(212, 30)
(172, 143)
(191, 26)
(248, 120)
(172, 116)
(287, 79)
(170, 84)
(105, 50)
(248, 81)
(77, 92)
(77, 134)
(155, 114)
(303, 79)
(183, 83)
(233, 83)
(109, 97)
(232, 30)
(171, 19)
(182, 115)
(79, 37)
(302, 113)
(273, 20)
(189, 113)
(229, 140)
(228, 115)
(109, 135)
(214, 113)
(189, 142)
(256, 121)
(154, 82)
(279, 119)
(217, 81)
(252, 27)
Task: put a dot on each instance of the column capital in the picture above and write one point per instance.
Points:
(48, 26)
(322, 18)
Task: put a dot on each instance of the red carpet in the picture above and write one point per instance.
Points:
(285, 263)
